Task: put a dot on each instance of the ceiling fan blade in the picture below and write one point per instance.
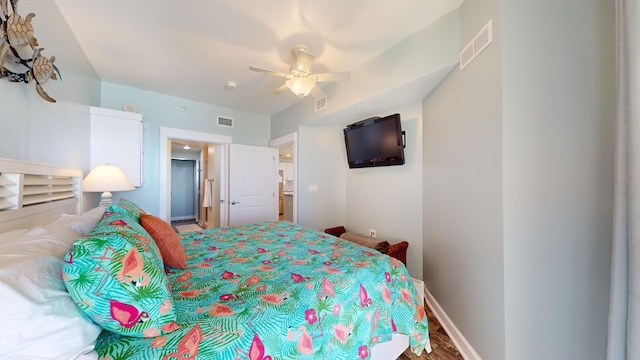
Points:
(304, 59)
(270, 72)
(316, 92)
(333, 76)
(281, 89)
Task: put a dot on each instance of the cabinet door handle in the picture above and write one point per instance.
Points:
(235, 202)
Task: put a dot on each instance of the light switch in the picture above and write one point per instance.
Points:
(313, 188)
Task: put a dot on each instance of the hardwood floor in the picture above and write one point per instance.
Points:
(441, 345)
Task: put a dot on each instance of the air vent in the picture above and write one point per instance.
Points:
(321, 103)
(225, 121)
(479, 43)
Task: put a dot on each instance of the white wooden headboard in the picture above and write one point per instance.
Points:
(35, 193)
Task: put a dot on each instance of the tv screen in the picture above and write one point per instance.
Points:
(375, 142)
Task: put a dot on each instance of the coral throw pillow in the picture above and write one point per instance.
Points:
(167, 240)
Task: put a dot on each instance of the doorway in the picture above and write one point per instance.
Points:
(219, 173)
(215, 176)
(288, 158)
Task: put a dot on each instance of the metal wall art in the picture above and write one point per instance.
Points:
(19, 50)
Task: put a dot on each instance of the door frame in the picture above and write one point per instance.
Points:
(291, 138)
(167, 134)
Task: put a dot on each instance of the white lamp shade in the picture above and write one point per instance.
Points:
(106, 178)
(301, 86)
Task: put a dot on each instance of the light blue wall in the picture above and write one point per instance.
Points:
(518, 172)
(462, 202)
(167, 111)
(321, 162)
(32, 129)
(558, 117)
(389, 198)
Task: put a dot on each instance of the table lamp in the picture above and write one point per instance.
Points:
(105, 179)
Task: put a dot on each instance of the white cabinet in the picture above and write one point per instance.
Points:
(117, 137)
(290, 174)
(287, 170)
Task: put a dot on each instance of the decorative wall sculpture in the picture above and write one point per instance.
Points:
(19, 49)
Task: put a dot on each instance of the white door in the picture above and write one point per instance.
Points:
(217, 170)
(253, 184)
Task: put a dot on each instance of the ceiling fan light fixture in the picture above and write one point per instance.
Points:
(300, 80)
(301, 86)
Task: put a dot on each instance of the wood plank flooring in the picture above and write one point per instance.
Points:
(441, 344)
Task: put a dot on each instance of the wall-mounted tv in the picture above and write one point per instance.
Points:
(377, 141)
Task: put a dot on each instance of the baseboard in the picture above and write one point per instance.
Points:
(461, 343)
(179, 218)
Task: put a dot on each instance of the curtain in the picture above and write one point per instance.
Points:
(624, 307)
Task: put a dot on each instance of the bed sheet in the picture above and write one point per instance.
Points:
(280, 291)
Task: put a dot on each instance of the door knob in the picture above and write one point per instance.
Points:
(235, 202)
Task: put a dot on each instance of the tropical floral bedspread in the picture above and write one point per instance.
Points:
(280, 291)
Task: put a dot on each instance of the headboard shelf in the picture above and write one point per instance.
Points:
(29, 189)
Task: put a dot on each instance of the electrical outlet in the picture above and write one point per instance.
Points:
(372, 233)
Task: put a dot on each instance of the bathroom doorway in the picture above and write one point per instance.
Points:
(288, 169)
(212, 152)
(185, 191)
(217, 172)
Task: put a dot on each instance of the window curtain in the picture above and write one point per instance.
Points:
(624, 306)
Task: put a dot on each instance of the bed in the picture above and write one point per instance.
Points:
(259, 291)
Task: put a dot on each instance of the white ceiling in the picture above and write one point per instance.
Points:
(190, 49)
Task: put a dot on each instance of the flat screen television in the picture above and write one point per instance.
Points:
(377, 141)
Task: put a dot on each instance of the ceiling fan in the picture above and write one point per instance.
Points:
(300, 80)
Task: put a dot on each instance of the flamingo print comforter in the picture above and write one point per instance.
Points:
(280, 291)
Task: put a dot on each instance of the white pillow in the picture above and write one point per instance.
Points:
(87, 221)
(39, 318)
(35, 243)
(63, 220)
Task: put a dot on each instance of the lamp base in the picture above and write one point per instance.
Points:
(106, 199)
